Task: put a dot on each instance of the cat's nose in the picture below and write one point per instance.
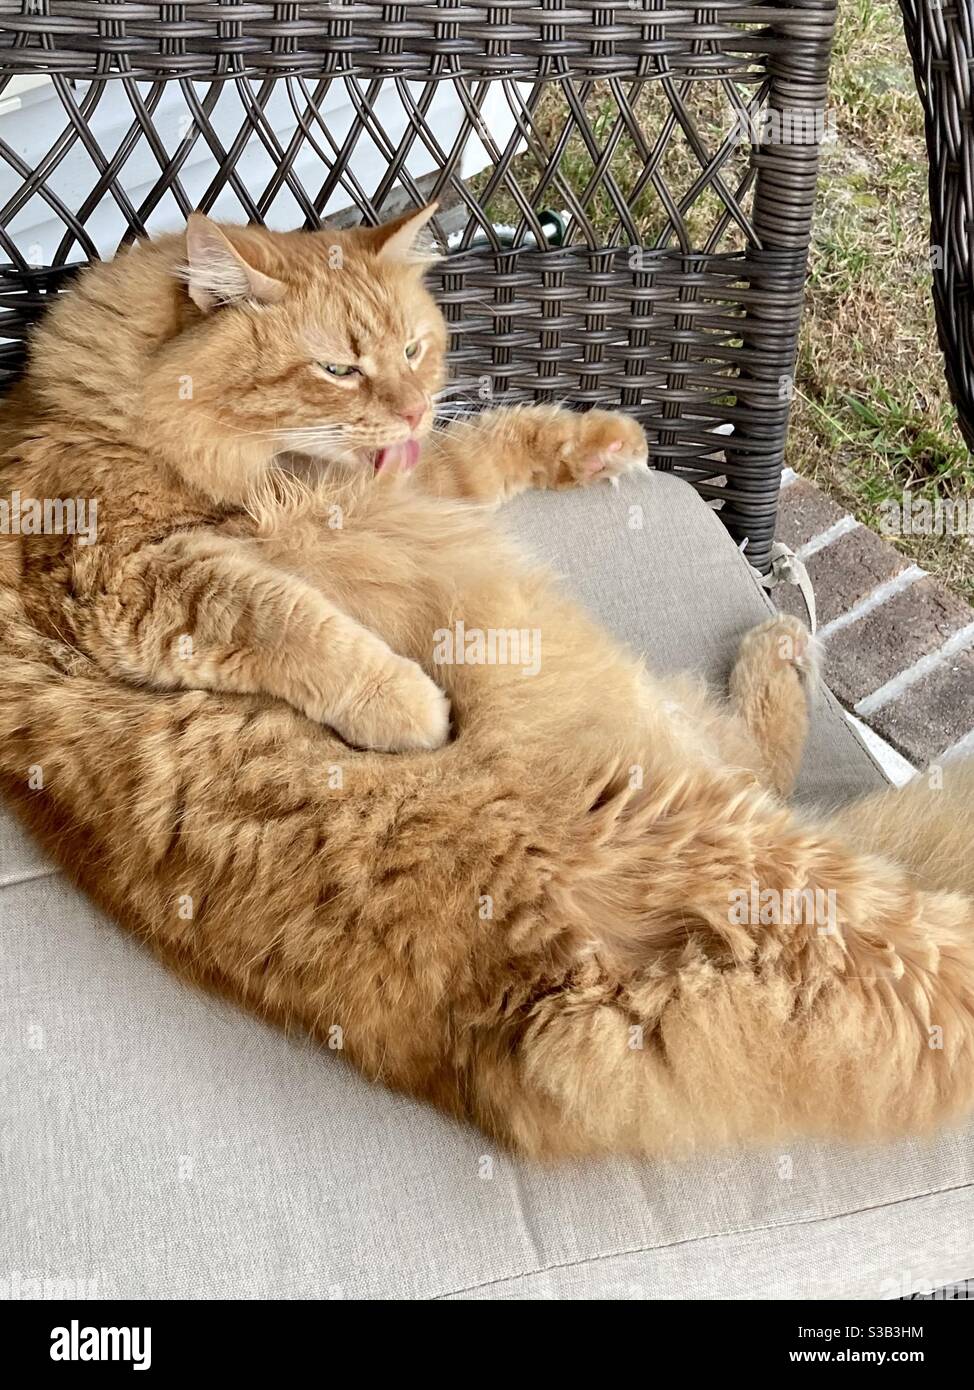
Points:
(413, 414)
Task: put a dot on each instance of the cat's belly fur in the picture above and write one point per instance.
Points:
(439, 582)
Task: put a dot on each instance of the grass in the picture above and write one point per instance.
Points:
(872, 419)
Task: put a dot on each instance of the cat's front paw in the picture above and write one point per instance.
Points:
(598, 446)
(395, 709)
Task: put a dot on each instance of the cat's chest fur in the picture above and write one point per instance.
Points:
(394, 559)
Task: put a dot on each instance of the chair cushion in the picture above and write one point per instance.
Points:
(160, 1144)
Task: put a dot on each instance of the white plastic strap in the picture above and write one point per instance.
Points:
(786, 568)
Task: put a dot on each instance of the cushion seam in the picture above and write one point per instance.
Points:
(711, 1235)
(28, 878)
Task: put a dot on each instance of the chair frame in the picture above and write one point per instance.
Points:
(941, 43)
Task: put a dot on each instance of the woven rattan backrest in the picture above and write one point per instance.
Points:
(941, 43)
(634, 231)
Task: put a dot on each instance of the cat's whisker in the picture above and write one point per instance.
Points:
(229, 425)
(468, 401)
(462, 411)
(449, 421)
(311, 432)
(300, 440)
(324, 432)
(450, 390)
(321, 426)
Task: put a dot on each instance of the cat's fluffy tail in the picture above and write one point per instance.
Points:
(927, 826)
(768, 976)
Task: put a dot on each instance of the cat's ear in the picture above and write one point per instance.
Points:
(218, 274)
(401, 240)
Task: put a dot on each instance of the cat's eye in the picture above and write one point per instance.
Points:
(339, 369)
(410, 351)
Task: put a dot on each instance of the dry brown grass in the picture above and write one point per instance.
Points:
(873, 419)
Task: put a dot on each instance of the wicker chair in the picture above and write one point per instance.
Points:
(941, 43)
(612, 239)
(677, 144)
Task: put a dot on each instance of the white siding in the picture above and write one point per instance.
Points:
(32, 120)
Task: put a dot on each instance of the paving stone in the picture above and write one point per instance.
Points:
(804, 511)
(788, 599)
(931, 715)
(934, 713)
(842, 574)
(850, 568)
(910, 624)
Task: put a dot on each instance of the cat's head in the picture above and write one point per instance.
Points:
(298, 349)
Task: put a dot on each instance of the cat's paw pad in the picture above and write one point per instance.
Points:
(396, 710)
(602, 445)
(784, 641)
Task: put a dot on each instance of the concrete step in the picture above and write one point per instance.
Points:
(899, 647)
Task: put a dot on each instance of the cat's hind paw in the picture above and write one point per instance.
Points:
(782, 641)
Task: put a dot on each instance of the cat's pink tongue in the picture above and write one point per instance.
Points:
(400, 457)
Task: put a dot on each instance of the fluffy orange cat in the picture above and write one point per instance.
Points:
(235, 720)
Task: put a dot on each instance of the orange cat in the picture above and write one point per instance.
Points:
(300, 718)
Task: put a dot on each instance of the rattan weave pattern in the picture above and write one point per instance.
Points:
(676, 288)
(941, 42)
(515, 38)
